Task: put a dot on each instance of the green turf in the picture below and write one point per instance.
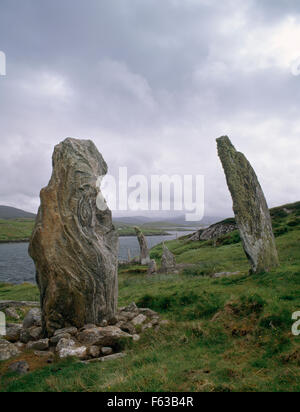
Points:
(231, 334)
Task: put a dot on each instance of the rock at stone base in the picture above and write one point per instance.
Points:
(93, 351)
(7, 350)
(76, 352)
(12, 313)
(87, 327)
(113, 357)
(70, 331)
(106, 351)
(21, 368)
(136, 338)
(67, 348)
(36, 333)
(139, 320)
(108, 336)
(55, 339)
(33, 318)
(250, 207)
(148, 312)
(25, 335)
(130, 308)
(127, 327)
(40, 345)
(13, 333)
(65, 343)
(152, 268)
(74, 244)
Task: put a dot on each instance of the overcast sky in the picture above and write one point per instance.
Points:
(153, 83)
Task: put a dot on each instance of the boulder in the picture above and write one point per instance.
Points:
(55, 339)
(93, 351)
(130, 308)
(136, 338)
(25, 335)
(74, 244)
(33, 318)
(13, 333)
(7, 350)
(113, 357)
(36, 333)
(12, 313)
(70, 331)
(148, 312)
(108, 336)
(106, 351)
(144, 251)
(39, 345)
(250, 208)
(21, 367)
(139, 320)
(65, 343)
(77, 352)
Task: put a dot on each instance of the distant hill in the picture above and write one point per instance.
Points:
(174, 221)
(7, 212)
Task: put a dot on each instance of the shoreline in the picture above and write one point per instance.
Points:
(120, 235)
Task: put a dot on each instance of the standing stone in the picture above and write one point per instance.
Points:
(250, 208)
(152, 267)
(129, 255)
(74, 244)
(144, 254)
(168, 261)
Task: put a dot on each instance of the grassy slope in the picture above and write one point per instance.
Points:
(15, 230)
(247, 347)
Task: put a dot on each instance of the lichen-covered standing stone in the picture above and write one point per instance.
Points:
(74, 245)
(168, 261)
(144, 251)
(250, 208)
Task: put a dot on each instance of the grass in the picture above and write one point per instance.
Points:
(224, 335)
(15, 230)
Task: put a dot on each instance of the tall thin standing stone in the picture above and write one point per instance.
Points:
(74, 244)
(250, 208)
(144, 251)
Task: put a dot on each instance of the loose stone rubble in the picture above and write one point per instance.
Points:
(91, 342)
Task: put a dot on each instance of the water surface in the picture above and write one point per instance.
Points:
(17, 267)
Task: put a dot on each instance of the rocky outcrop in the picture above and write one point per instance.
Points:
(144, 251)
(74, 244)
(250, 208)
(168, 261)
(214, 231)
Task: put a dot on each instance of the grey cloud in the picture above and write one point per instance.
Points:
(153, 84)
